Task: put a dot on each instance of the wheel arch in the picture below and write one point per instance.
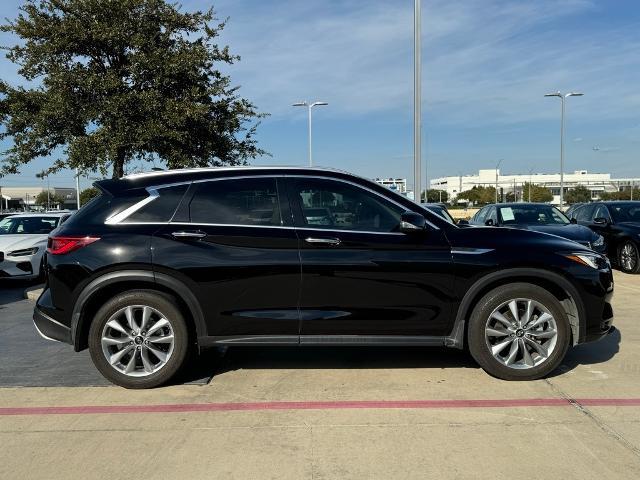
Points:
(110, 284)
(554, 283)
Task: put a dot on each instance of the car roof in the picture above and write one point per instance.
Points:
(520, 204)
(33, 214)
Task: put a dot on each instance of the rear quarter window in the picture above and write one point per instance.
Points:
(162, 208)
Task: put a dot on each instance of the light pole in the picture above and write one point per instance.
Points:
(77, 189)
(417, 101)
(530, 174)
(497, 167)
(562, 98)
(309, 107)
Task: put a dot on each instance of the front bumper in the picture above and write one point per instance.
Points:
(19, 267)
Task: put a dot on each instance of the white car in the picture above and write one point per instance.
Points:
(23, 241)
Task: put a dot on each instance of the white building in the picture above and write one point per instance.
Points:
(24, 198)
(595, 182)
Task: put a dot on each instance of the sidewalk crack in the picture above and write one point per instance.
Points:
(602, 425)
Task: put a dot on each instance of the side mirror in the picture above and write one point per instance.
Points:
(463, 221)
(411, 222)
(489, 223)
(600, 221)
(573, 220)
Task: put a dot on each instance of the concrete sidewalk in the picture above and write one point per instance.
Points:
(567, 440)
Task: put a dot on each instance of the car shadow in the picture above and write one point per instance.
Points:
(213, 361)
(12, 290)
(216, 361)
(590, 353)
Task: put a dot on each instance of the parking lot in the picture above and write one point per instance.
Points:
(321, 412)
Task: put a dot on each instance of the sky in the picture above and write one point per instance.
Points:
(486, 66)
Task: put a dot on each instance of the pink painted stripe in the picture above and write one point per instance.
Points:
(337, 405)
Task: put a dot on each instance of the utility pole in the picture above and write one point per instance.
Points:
(417, 100)
(309, 107)
(1, 199)
(77, 189)
(562, 98)
(497, 167)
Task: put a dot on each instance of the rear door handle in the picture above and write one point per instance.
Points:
(323, 241)
(189, 234)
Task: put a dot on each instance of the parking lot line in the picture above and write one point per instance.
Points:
(310, 405)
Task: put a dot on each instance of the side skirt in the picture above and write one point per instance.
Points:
(309, 340)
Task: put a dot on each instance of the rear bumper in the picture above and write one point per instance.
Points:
(47, 326)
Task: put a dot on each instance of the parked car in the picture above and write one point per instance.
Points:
(164, 262)
(23, 241)
(539, 217)
(439, 209)
(619, 223)
(573, 208)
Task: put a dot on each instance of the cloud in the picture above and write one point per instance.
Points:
(488, 61)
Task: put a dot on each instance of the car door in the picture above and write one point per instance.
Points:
(232, 242)
(603, 225)
(360, 275)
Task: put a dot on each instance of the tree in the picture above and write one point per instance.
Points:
(621, 195)
(479, 195)
(578, 194)
(434, 195)
(122, 80)
(538, 194)
(87, 194)
(52, 200)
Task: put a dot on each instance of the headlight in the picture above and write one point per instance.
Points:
(598, 242)
(592, 260)
(23, 253)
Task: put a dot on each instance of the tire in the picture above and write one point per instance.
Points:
(628, 257)
(154, 356)
(512, 363)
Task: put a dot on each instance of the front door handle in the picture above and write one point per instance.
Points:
(189, 234)
(323, 241)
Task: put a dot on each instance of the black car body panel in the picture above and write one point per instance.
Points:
(614, 230)
(291, 276)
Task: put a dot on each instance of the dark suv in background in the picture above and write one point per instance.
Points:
(619, 223)
(164, 262)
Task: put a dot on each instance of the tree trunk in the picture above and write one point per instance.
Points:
(118, 164)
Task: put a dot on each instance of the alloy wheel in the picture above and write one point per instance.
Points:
(629, 256)
(521, 333)
(137, 340)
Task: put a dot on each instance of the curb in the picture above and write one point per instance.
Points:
(32, 293)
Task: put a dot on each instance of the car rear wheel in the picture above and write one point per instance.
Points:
(628, 257)
(519, 332)
(139, 339)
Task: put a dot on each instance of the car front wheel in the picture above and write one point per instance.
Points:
(139, 339)
(628, 257)
(519, 332)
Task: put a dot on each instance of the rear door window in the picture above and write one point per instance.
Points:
(249, 201)
(161, 208)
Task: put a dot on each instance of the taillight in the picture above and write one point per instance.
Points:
(62, 245)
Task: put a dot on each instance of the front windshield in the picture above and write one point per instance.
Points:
(625, 212)
(532, 215)
(28, 225)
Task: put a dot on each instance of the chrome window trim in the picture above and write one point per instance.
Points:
(153, 192)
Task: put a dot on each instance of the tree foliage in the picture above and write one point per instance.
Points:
(122, 80)
(578, 194)
(434, 195)
(88, 194)
(539, 194)
(479, 195)
(624, 195)
(52, 200)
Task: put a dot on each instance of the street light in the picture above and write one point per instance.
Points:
(417, 101)
(497, 167)
(309, 107)
(530, 174)
(562, 98)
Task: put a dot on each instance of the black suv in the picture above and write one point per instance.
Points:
(165, 262)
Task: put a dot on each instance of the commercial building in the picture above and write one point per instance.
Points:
(24, 198)
(595, 182)
(397, 184)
